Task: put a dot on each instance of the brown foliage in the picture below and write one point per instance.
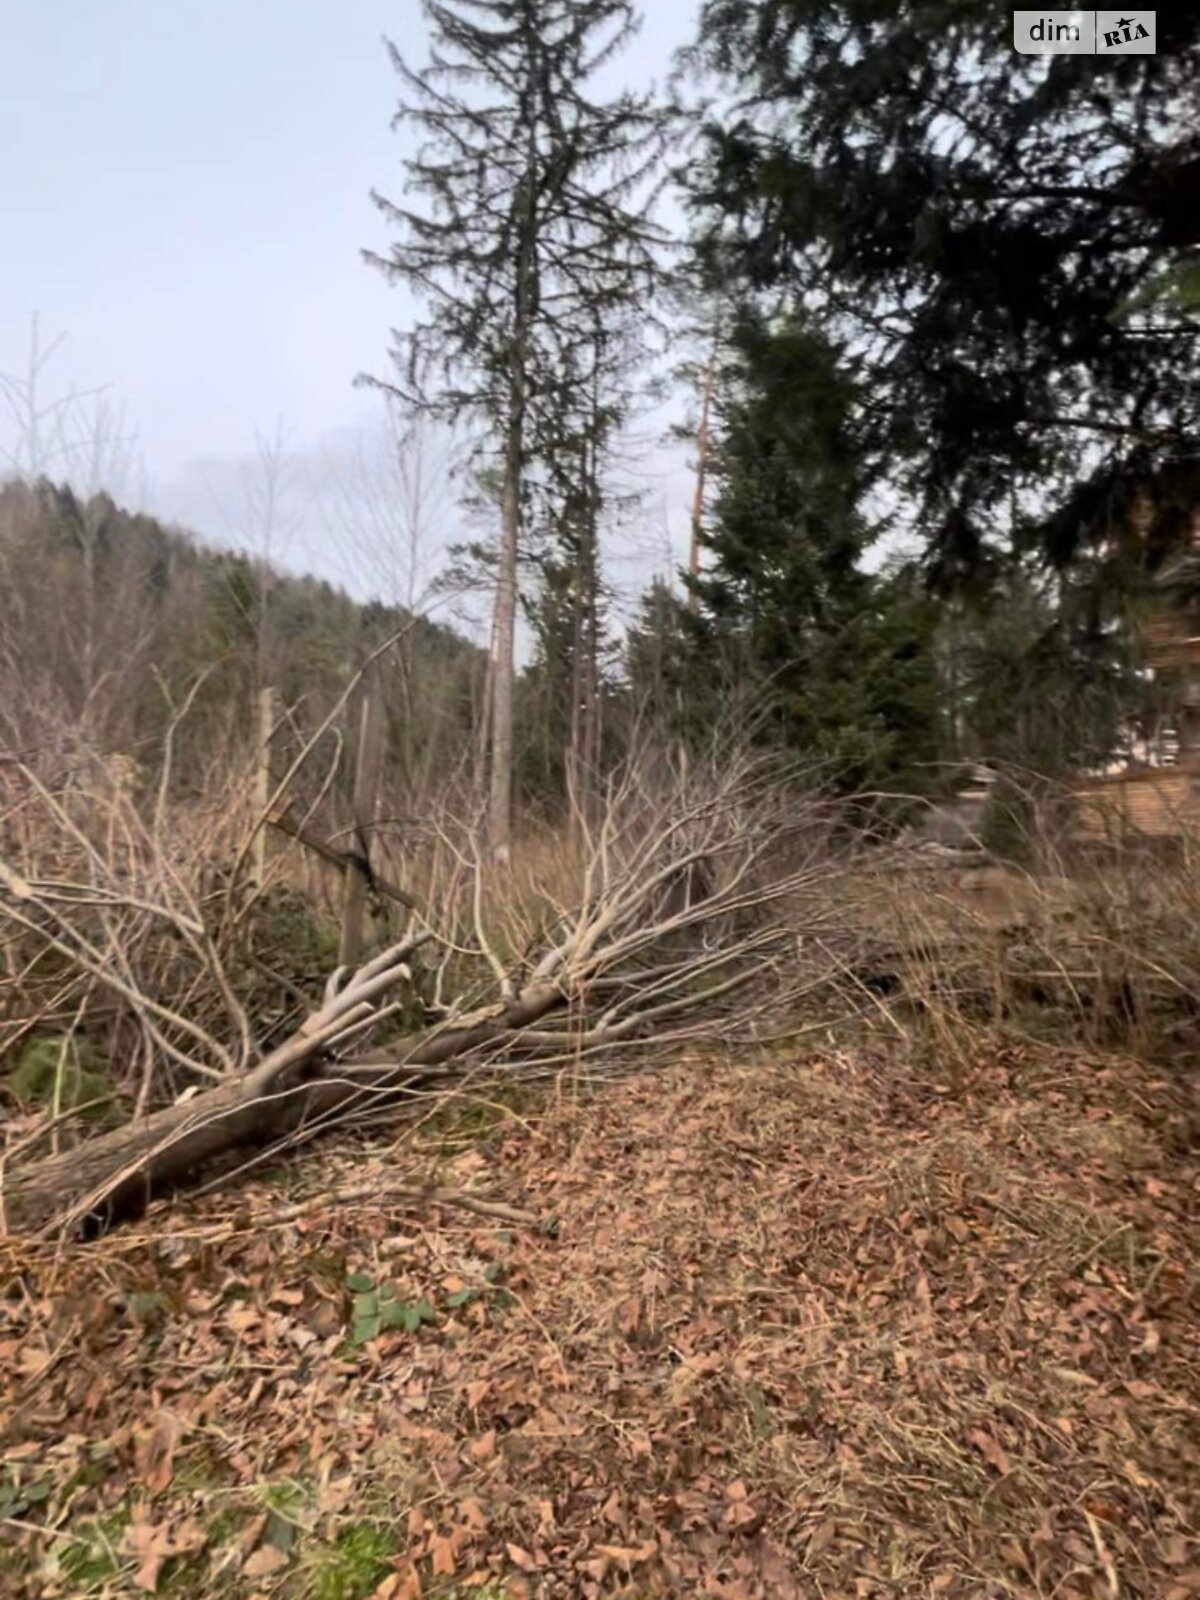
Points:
(817, 1326)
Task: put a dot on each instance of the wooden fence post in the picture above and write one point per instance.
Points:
(368, 771)
(262, 781)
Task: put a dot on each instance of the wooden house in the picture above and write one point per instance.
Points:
(1147, 802)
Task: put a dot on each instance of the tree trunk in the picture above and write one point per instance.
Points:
(591, 640)
(127, 1168)
(584, 755)
(368, 772)
(577, 768)
(504, 643)
(483, 727)
(505, 620)
(262, 782)
(582, 750)
(693, 599)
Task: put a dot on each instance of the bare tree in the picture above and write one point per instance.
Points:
(262, 517)
(388, 501)
(81, 438)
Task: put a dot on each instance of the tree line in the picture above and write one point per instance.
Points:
(945, 299)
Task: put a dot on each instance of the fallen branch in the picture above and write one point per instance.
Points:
(117, 1174)
(678, 937)
(344, 860)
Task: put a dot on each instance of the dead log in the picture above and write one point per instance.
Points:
(115, 1176)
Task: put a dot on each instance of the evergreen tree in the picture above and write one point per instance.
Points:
(534, 225)
(1038, 673)
(842, 660)
(687, 686)
(788, 531)
(998, 247)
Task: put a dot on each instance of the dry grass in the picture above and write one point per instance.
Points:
(1106, 956)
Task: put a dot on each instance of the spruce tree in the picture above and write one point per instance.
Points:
(842, 660)
(526, 220)
(998, 247)
(578, 454)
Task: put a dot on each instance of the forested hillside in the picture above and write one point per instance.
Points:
(113, 622)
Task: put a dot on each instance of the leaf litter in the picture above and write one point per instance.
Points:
(802, 1329)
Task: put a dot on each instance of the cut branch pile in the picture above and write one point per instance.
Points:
(695, 907)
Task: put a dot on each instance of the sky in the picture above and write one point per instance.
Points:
(185, 193)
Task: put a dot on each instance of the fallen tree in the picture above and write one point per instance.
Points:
(691, 911)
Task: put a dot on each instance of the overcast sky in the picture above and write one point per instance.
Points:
(184, 192)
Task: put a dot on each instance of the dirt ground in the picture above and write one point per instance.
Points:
(827, 1327)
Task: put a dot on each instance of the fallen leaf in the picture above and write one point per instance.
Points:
(628, 1555)
(742, 1516)
(153, 1543)
(484, 1448)
(991, 1451)
(150, 1546)
(444, 1555)
(404, 1585)
(472, 1513)
(823, 1537)
(155, 1450)
(1014, 1555)
(265, 1560)
(241, 1318)
(389, 1589)
(1104, 1510)
(34, 1362)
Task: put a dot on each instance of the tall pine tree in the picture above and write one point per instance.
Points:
(533, 224)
